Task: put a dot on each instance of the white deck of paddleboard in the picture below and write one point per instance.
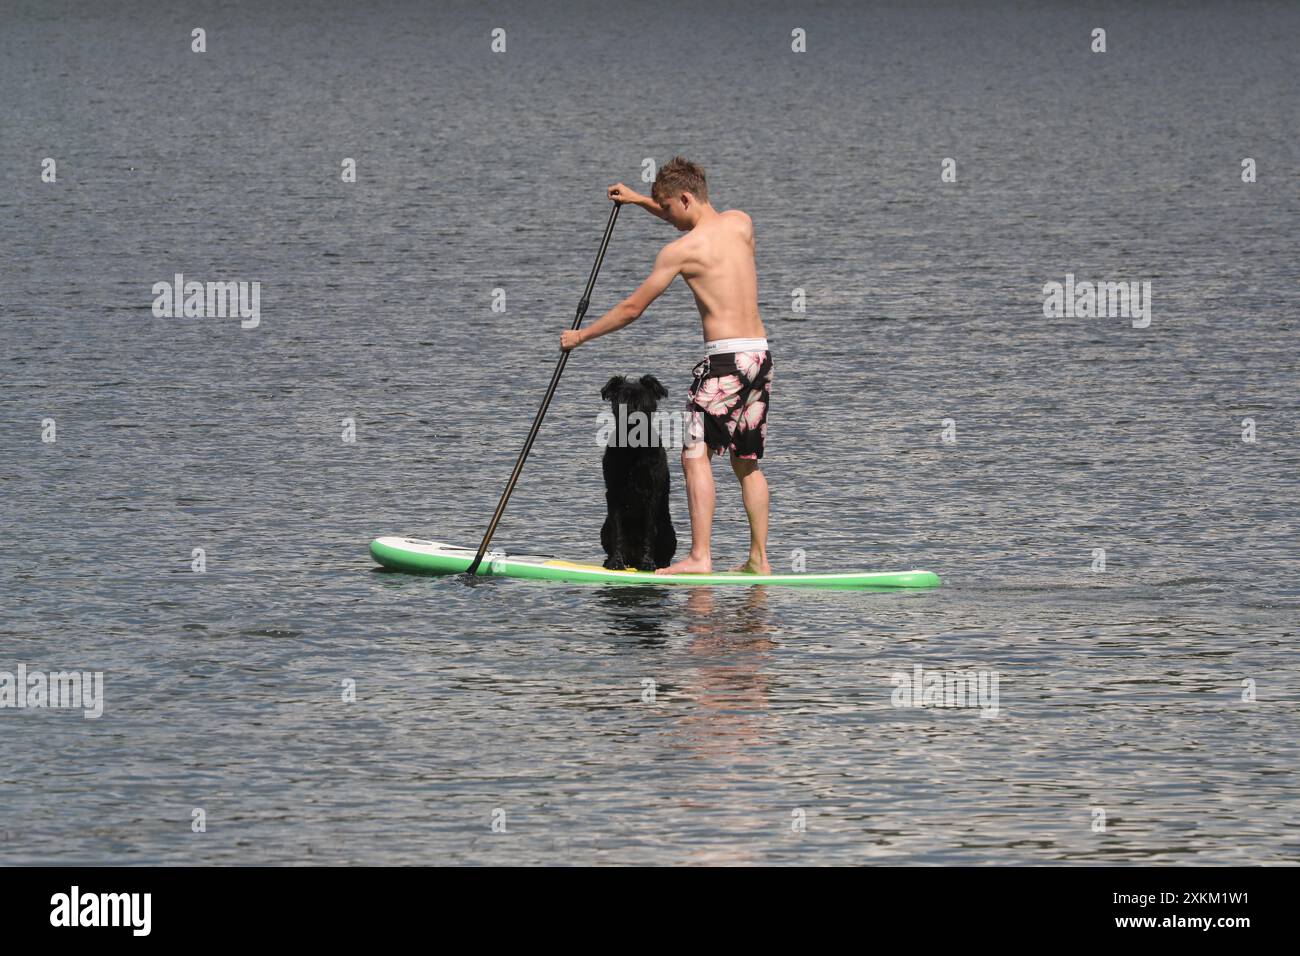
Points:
(443, 549)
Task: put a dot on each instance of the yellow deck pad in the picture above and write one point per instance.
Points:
(588, 567)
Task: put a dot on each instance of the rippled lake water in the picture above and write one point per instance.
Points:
(1146, 712)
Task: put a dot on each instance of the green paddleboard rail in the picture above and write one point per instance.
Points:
(417, 556)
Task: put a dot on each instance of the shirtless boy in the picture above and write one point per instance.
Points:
(728, 399)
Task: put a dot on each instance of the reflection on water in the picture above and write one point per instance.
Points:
(730, 646)
(727, 684)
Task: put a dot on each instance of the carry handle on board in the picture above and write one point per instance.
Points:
(550, 393)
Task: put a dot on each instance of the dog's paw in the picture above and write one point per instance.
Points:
(615, 564)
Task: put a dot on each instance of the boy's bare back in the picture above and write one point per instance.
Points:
(716, 258)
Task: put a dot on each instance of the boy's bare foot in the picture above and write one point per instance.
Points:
(754, 566)
(688, 565)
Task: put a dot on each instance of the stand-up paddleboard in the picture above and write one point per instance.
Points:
(434, 557)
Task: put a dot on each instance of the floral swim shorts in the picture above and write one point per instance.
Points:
(727, 406)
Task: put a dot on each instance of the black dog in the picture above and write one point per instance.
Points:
(638, 531)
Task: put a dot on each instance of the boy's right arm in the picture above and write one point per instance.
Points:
(621, 193)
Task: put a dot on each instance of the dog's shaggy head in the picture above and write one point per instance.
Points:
(636, 395)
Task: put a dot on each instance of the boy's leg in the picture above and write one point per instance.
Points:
(697, 466)
(753, 489)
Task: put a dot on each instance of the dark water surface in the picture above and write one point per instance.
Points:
(1120, 691)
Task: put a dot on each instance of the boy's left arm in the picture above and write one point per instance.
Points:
(629, 310)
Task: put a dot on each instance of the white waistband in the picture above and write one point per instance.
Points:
(720, 346)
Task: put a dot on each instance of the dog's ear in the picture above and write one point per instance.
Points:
(653, 386)
(612, 386)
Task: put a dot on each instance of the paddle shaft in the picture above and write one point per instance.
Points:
(583, 303)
